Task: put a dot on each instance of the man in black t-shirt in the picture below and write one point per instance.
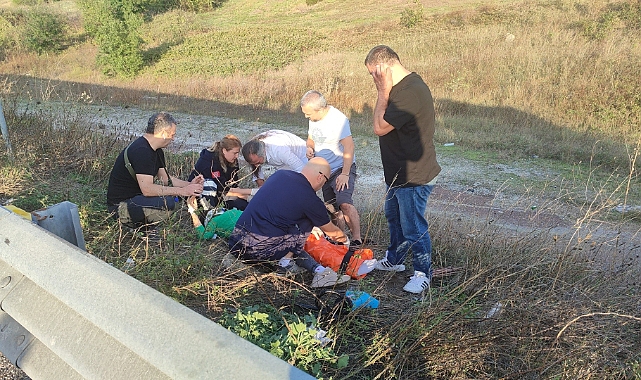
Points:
(132, 194)
(404, 121)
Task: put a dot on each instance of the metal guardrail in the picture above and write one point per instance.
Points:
(65, 314)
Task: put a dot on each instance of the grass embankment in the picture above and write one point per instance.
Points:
(551, 79)
(557, 80)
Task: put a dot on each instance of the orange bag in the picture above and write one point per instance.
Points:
(336, 256)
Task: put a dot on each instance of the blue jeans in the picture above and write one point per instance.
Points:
(405, 213)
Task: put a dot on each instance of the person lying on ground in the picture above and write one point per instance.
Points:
(214, 223)
(276, 223)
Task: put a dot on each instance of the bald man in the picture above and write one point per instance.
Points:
(280, 217)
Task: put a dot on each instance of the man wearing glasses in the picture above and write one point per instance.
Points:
(280, 217)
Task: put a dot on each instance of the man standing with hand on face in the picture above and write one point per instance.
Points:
(404, 120)
(330, 137)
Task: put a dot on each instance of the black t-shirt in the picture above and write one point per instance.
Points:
(407, 152)
(144, 160)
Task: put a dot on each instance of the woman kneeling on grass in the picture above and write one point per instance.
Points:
(218, 164)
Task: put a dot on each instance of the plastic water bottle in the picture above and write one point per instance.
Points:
(361, 299)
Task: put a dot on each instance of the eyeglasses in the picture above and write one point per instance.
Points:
(326, 179)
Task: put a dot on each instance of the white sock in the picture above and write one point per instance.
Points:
(319, 269)
(419, 274)
(366, 267)
(284, 262)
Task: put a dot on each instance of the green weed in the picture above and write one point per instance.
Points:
(287, 336)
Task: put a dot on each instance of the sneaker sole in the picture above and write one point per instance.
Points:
(396, 268)
(413, 291)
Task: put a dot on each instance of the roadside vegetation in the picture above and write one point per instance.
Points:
(556, 80)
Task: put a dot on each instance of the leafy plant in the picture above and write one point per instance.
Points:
(115, 26)
(285, 335)
(412, 15)
(43, 32)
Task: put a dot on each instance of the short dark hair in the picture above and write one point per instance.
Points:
(254, 146)
(381, 54)
(159, 121)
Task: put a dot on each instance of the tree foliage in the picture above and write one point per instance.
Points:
(43, 32)
(115, 25)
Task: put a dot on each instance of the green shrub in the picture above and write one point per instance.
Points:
(43, 32)
(284, 335)
(7, 32)
(115, 26)
(239, 49)
(119, 47)
(412, 15)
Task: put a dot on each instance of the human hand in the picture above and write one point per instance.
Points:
(310, 152)
(192, 204)
(198, 179)
(192, 189)
(342, 182)
(318, 233)
(382, 76)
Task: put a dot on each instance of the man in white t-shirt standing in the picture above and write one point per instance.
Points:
(330, 137)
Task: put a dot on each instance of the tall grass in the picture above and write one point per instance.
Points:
(550, 79)
(529, 304)
(547, 79)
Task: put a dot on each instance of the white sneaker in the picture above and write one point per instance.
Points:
(384, 264)
(417, 283)
(366, 267)
(328, 278)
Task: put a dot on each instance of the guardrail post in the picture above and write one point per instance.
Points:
(5, 132)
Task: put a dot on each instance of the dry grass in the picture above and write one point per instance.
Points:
(565, 308)
(552, 79)
(558, 310)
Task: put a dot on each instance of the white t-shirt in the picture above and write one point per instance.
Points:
(327, 134)
(284, 150)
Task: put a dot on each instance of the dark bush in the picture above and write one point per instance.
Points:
(43, 32)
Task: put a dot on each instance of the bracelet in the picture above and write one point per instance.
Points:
(344, 174)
